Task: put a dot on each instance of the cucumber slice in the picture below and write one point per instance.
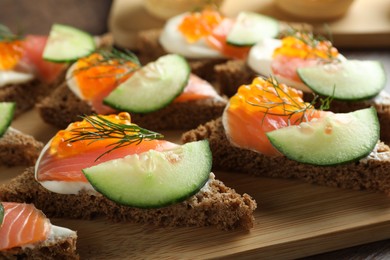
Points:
(250, 28)
(152, 87)
(351, 79)
(66, 43)
(7, 110)
(334, 139)
(153, 179)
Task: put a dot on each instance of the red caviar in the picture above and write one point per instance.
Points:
(200, 24)
(95, 76)
(267, 96)
(62, 147)
(10, 54)
(304, 46)
(214, 27)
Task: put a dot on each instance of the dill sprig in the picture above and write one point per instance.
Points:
(113, 58)
(102, 128)
(1, 213)
(295, 107)
(310, 39)
(325, 102)
(6, 35)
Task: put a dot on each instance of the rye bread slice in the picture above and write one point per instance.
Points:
(18, 149)
(371, 173)
(231, 75)
(63, 107)
(217, 205)
(26, 95)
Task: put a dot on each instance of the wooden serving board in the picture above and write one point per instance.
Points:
(293, 220)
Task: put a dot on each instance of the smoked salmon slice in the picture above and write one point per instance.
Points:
(196, 89)
(55, 168)
(33, 46)
(23, 224)
(25, 55)
(62, 160)
(218, 40)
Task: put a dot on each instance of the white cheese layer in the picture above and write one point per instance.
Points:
(376, 155)
(68, 187)
(56, 234)
(383, 98)
(72, 82)
(206, 187)
(8, 77)
(62, 187)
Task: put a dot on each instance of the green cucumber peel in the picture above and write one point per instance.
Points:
(7, 110)
(332, 140)
(352, 80)
(153, 179)
(67, 43)
(2, 213)
(250, 28)
(151, 87)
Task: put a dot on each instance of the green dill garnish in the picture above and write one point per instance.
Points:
(310, 39)
(1, 213)
(114, 58)
(6, 35)
(120, 56)
(102, 129)
(294, 107)
(325, 102)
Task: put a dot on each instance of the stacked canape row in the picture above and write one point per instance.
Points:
(105, 165)
(235, 50)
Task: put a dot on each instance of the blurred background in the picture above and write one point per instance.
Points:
(36, 17)
(352, 23)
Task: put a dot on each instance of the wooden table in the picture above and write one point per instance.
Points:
(293, 219)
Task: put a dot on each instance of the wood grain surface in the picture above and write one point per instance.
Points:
(293, 220)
